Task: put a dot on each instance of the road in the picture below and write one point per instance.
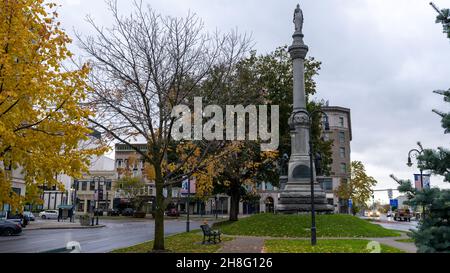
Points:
(116, 234)
(389, 223)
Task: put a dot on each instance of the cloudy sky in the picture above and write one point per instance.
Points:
(381, 58)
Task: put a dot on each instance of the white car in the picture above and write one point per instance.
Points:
(374, 213)
(48, 214)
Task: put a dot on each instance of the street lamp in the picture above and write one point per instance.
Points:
(188, 203)
(409, 164)
(100, 182)
(310, 116)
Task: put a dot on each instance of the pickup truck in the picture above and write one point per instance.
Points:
(402, 215)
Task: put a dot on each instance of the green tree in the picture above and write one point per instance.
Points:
(359, 188)
(272, 76)
(132, 188)
(433, 232)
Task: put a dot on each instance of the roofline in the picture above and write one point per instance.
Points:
(344, 110)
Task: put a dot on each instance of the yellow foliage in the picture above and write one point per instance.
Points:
(41, 120)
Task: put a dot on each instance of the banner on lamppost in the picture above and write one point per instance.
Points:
(418, 182)
(184, 186)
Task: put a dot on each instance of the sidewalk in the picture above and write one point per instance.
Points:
(49, 224)
(250, 244)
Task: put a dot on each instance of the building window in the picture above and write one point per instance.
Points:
(330, 201)
(17, 191)
(119, 163)
(92, 186)
(342, 153)
(108, 185)
(327, 184)
(341, 137)
(83, 185)
(341, 121)
(343, 168)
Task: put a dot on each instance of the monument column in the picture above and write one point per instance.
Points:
(296, 196)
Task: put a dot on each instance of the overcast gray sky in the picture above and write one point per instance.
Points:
(381, 58)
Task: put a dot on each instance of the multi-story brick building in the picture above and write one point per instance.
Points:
(341, 134)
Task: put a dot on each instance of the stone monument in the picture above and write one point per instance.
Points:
(296, 196)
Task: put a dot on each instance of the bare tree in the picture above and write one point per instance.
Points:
(143, 66)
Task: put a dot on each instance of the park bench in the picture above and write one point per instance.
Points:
(210, 234)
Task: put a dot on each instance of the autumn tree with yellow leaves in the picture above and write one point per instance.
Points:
(41, 120)
(244, 166)
(144, 65)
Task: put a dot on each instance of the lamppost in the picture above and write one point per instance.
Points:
(310, 116)
(100, 182)
(188, 203)
(409, 164)
(216, 201)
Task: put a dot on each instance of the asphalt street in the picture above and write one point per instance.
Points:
(389, 223)
(116, 234)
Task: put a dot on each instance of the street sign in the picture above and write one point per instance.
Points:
(394, 203)
(350, 203)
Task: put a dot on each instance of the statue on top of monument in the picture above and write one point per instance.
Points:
(298, 19)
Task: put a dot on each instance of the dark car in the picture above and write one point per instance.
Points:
(29, 215)
(9, 228)
(18, 218)
(128, 212)
(173, 213)
(113, 212)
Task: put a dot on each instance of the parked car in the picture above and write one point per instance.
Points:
(403, 215)
(9, 228)
(18, 218)
(128, 212)
(113, 212)
(173, 212)
(29, 215)
(49, 214)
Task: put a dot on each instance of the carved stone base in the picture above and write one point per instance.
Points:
(297, 199)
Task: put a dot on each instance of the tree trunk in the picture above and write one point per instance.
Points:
(158, 244)
(235, 198)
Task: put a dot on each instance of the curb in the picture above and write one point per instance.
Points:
(76, 227)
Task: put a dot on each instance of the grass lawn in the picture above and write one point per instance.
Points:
(279, 225)
(181, 243)
(323, 246)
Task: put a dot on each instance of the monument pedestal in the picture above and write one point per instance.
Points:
(296, 196)
(298, 199)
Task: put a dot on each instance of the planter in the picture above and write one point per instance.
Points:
(139, 215)
(85, 220)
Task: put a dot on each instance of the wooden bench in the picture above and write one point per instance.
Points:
(211, 234)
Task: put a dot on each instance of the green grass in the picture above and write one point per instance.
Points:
(324, 246)
(299, 226)
(405, 240)
(181, 243)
